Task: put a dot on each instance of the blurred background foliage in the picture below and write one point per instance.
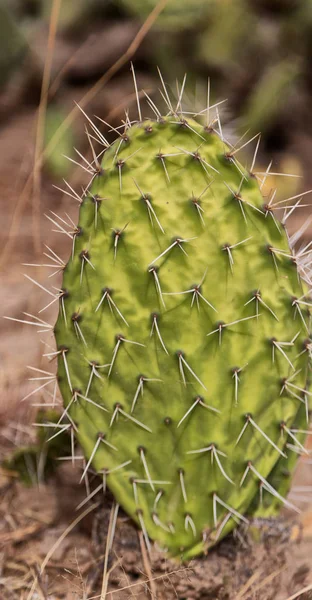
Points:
(34, 462)
(257, 53)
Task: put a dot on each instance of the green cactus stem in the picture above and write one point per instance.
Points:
(183, 334)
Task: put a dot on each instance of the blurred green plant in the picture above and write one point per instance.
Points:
(38, 461)
(56, 165)
(226, 36)
(176, 14)
(252, 51)
(270, 93)
(13, 45)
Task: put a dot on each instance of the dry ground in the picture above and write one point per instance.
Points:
(32, 521)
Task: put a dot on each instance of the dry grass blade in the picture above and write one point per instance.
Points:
(143, 583)
(65, 533)
(259, 586)
(17, 213)
(55, 11)
(248, 585)
(20, 534)
(57, 543)
(152, 585)
(109, 542)
(24, 196)
(39, 587)
(300, 593)
(84, 101)
(34, 180)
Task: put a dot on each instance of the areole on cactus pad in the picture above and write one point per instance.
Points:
(183, 335)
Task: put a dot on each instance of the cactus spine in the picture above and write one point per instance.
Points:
(183, 334)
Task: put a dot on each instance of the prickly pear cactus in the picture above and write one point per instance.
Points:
(183, 335)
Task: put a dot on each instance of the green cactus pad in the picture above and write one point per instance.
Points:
(183, 336)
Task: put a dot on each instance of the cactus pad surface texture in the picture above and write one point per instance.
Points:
(183, 335)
